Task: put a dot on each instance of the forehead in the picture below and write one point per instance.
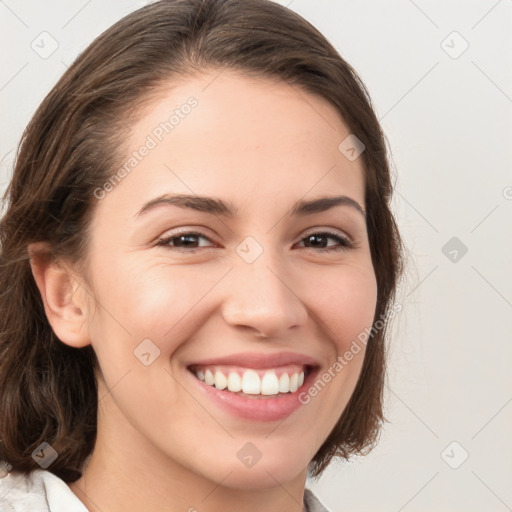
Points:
(246, 138)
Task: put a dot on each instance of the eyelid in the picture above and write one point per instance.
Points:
(186, 231)
(330, 231)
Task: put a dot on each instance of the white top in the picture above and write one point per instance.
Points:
(42, 491)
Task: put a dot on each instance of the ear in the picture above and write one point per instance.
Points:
(63, 296)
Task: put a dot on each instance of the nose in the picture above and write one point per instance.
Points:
(260, 297)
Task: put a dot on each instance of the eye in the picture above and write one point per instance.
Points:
(188, 241)
(319, 237)
(182, 241)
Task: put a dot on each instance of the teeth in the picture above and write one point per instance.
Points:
(250, 382)
(269, 384)
(294, 380)
(234, 382)
(284, 383)
(208, 378)
(220, 380)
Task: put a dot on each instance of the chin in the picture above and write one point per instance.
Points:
(263, 477)
(270, 470)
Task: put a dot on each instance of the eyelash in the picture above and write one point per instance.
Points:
(345, 243)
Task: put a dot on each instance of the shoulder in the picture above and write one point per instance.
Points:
(312, 503)
(40, 490)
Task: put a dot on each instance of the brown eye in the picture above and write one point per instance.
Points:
(182, 241)
(318, 240)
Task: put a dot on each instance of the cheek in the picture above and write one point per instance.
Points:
(150, 301)
(345, 300)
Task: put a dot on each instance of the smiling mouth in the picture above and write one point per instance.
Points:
(252, 382)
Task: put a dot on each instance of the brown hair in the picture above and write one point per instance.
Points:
(48, 391)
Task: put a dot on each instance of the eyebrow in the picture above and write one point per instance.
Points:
(226, 209)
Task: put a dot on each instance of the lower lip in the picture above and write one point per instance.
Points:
(255, 409)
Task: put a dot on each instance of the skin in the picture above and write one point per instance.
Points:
(261, 145)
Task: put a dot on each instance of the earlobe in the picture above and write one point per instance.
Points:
(66, 312)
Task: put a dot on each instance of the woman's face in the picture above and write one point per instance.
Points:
(247, 299)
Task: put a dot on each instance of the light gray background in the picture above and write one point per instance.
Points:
(448, 120)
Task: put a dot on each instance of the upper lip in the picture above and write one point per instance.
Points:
(259, 360)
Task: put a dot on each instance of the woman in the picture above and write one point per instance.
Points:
(199, 262)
